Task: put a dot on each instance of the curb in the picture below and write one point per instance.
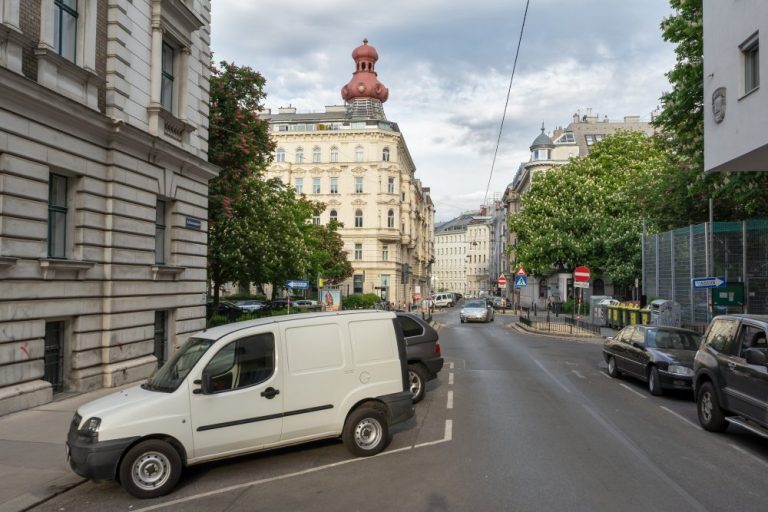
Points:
(582, 338)
(55, 488)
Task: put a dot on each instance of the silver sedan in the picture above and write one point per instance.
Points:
(476, 311)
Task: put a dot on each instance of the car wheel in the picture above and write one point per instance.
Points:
(150, 469)
(711, 416)
(417, 380)
(654, 382)
(366, 432)
(613, 371)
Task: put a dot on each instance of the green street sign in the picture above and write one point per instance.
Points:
(732, 294)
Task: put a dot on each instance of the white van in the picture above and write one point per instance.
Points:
(443, 300)
(246, 387)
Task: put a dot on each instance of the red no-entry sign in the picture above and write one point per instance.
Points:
(502, 280)
(581, 275)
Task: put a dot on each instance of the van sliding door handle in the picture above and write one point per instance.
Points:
(270, 393)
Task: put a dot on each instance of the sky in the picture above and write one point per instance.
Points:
(447, 64)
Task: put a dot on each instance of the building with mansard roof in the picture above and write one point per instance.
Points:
(354, 160)
(103, 190)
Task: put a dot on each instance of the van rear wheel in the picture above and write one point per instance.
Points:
(150, 469)
(366, 432)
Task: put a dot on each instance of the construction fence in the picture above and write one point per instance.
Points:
(735, 252)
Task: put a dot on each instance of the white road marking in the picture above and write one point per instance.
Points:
(449, 405)
(606, 375)
(681, 418)
(632, 390)
(448, 436)
(752, 456)
(451, 365)
(552, 376)
(578, 374)
(450, 379)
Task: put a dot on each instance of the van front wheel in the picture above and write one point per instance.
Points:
(150, 469)
(366, 432)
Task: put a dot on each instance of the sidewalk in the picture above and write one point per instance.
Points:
(33, 459)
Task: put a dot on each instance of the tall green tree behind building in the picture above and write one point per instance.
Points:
(683, 196)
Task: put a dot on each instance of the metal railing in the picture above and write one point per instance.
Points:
(560, 324)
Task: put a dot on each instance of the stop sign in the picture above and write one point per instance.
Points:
(502, 280)
(581, 274)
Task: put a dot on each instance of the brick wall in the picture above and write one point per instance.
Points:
(29, 18)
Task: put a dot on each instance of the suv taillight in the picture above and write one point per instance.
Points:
(437, 348)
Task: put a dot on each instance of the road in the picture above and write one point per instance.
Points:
(514, 422)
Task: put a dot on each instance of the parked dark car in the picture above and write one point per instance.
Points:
(731, 374)
(661, 356)
(251, 305)
(226, 309)
(423, 351)
(278, 304)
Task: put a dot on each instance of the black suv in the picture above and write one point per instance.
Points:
(422, 350)
(731, 374)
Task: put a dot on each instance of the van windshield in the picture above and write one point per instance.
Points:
(168, 378)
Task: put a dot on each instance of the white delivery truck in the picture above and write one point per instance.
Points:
(247, 387)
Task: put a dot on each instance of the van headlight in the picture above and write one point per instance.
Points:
(91, 427)
(680, 370)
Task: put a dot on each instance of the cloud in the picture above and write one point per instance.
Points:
(447, 65)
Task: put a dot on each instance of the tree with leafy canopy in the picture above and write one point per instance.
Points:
(239, 143)
(590, 210)
(683, 196)
(328, 257)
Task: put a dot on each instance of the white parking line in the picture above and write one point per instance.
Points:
(578, 374)
(450, 379)
(632, 390)
(606, 375)
(448, 436)
(449, 405)
(681, 418)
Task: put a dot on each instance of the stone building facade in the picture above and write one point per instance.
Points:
(356, 162)
(103, 190)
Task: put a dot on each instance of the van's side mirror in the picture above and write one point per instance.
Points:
(204, 383)
(756, 356)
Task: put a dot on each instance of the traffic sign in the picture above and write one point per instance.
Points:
(581, 274)
(297, 283)
(502, 281)
(708, 282)
(521, 280)
(521, 272)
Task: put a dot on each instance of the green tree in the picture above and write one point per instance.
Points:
(686, 190)
(239, 143)
(329, 259)
(590, 211)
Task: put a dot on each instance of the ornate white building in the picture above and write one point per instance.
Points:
(356, 162)
(103, 190)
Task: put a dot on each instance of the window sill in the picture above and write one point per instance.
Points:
(65, 268)
(67, 78)
(172, 127)
(749, 93)
(166, 271)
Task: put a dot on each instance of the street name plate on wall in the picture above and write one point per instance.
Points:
(193, 223)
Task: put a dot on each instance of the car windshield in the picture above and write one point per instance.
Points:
(675, 340)
(168, 378)
(475, 304)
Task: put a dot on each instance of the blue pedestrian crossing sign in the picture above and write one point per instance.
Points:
(521, 281)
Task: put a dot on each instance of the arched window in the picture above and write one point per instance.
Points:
(316, 155)
(299, 155)
(598, 287)
(385, 155)
(334, 215)
(391, 218)
(334, 154)
(358, 218)
(280, 155)
(359, 154)
(543, 288)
